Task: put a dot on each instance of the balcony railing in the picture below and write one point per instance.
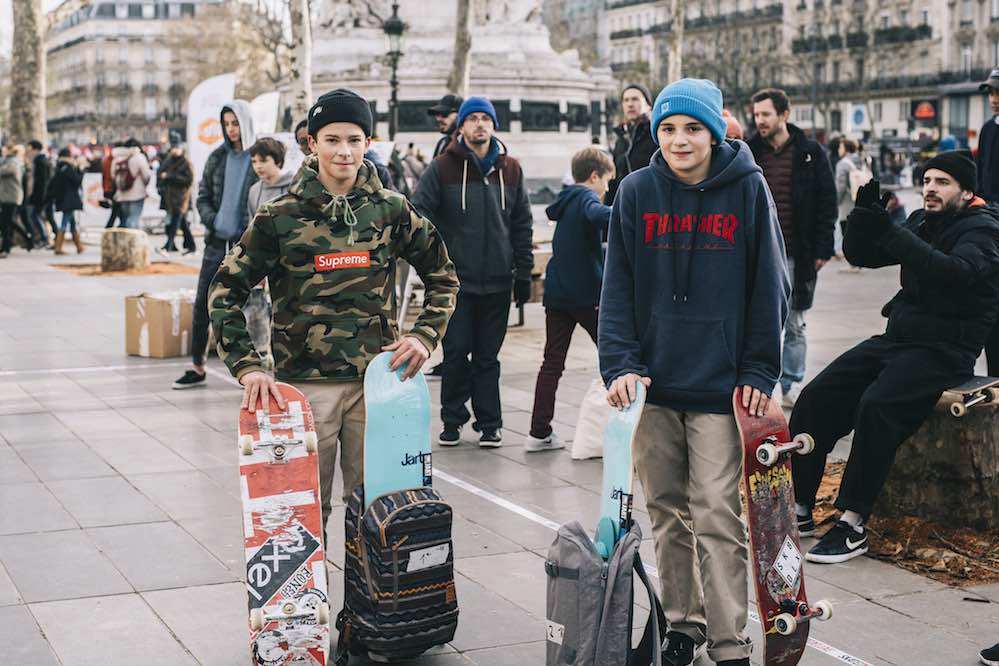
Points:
(855, 40)
(902, 34)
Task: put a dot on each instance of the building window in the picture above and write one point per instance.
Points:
(926, 17)
(995, 9)
(995, 52)
(967, 11)
(150, 108)
(148, 55)
(836, 120)
(148, 11)
(835, 71)
(803, 114)
(903, 109)
(966, 60)
(877, 112)
(860, 70)
(958, 121)
(885, 21)
(187, 9)
(539, 116)
(122, 55)
(903, 17)
(121, 11)
(134, 11)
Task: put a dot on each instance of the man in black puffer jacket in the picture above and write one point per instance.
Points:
(885, 387)
(633, 144)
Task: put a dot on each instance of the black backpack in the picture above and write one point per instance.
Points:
(399, 593)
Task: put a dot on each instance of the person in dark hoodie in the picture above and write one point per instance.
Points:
(474, 194)
(885, 387)
(695, 291)
(987, 161)
(572, 281)
(445, 114)
(222, 196)
(633, 146)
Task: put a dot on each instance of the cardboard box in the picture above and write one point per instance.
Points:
(159, 325)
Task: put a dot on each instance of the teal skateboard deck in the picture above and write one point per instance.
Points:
(396, 430)
(616, 495)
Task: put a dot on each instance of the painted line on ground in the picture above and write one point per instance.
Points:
(824, 648)
(57, 371)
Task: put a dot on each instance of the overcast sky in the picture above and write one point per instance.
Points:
(7, 21)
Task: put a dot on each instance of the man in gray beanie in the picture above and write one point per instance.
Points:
(885, 387)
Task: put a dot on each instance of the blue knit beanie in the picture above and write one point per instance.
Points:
(476, 105)
(697, 98)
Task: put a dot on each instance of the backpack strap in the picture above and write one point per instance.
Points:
(649, 650)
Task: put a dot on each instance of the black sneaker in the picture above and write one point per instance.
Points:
(679, 649)
(492, 438)
(450, 436)
(435, 372)
(735, 662)
(806, 526)
(191, 379)
(841, 543)
(990, 656)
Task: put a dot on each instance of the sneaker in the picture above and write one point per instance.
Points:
(549, 443)
(806, 525)
(191, 379)
(435, 372)
(990, 656)
(450, 436)
(841, 543)
(492, 438)
(735, 662)
(679, 649)
(791, 395)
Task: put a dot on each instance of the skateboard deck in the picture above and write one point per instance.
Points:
(396, 430)
(773, 532)
(282, 533)
(978, 390)
(615, 495)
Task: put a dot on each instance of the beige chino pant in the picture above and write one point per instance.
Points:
(689, 465)
(338, 409)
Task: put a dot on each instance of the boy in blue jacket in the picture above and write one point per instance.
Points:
(572, 281)
(694, 297)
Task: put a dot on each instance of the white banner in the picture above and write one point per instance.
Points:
(204, 108)
(265, 113)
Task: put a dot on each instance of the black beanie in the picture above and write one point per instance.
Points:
(340, 106)
(959, 165)
(640, 88)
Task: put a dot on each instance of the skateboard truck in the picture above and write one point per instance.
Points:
(959, 409)
(770, 451)
(786, 623)
(278, 445)
(289, 610)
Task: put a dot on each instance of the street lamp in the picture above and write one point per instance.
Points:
(394, 27)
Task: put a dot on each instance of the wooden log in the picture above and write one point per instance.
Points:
(124, 249)
(948, 472)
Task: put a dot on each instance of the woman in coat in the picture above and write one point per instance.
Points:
(64, 192)
(174, 180)
(11, 195)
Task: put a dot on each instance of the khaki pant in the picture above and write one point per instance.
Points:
(338, 409)
(689, 465)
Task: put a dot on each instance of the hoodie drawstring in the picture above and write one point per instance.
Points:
(349, 218)
(464, 180)
(502, 191)
(681, 292)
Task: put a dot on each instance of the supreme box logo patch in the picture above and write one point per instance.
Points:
(337, 260)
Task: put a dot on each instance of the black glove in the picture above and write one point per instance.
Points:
(868, 194)
(871, 213)
(521, 291)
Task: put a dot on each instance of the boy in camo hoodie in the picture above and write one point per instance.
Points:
(328, 249)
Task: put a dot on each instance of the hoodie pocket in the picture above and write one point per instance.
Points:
(331, 344)
(689, 354)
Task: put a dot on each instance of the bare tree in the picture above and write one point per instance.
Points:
(677, 13)
(457, 80)
(300, 68)
(27, 89)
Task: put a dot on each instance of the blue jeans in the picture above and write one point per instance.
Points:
(68, 221)
(795, 344)
(130, 213)
(37, 226)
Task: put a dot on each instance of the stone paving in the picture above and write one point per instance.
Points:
(120, 538)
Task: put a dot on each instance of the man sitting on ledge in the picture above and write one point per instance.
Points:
(885, 387)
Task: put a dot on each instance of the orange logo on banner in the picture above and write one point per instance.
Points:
(338, 260)
(925, 111)
(210, 131)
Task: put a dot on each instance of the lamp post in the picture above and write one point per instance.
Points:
(394, 28)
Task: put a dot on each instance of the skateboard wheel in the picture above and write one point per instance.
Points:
(805, 443)
(288, 608)
(785, 624)
(246, 445)
(766, 454)
(823, 609)
(958, 409)
(993, 395)
(256, 619)
(311, 442)
(324, 613)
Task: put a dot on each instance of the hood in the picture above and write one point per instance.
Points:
(458, 150)
(730, 161)
(568, 196)
(283, 181)
(306, 186)
(245, 117)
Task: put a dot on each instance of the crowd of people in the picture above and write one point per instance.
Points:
(690, 255)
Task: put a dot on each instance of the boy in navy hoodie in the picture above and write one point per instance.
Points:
(695, 293)
(572, 281)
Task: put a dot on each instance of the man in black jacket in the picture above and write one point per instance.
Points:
(885, 387)
(445, 114)
(633, 146)
(474, 194)
(987, 161)
(804, 190)
(35, 200)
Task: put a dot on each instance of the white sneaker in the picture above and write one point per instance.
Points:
(550, 443)
(791, 396)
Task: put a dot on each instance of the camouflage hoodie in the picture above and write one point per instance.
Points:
(331, 265)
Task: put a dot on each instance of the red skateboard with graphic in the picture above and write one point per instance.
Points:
(773, 532)
(282, 532)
